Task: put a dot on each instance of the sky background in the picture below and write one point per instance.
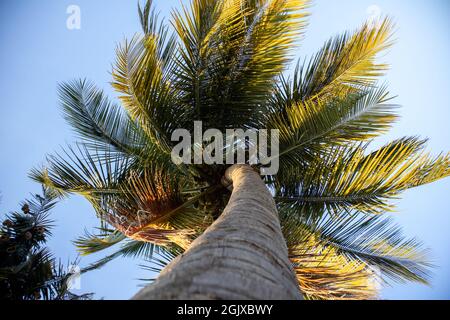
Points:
(38, 51)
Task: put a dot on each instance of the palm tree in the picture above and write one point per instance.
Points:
(28, 270)
(317, 229)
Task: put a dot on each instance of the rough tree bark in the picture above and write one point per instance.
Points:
(241, 256)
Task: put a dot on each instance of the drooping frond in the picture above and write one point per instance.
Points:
(348, 179)
(322, 271)
(374, 241)
(129, 249)
(380, 244)
(145, 204)
(80, 171)
(146, 207)
(91, 243)
(348, 258)
(324, 274)
(157, 263)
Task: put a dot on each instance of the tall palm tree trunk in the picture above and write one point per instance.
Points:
(241, 256)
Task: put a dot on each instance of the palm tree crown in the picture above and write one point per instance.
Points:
(224, 63)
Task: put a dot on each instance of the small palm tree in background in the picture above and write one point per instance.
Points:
(315, 230)
(28, 271)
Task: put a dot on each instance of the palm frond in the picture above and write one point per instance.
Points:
(348, 179)
(324, 274)
(344, 63)
(98, 122)
(148, 17)
(333, 98)
(159, 262)
(308, 128)
(130, 249)
(374, 241)
(231, 53)
(145, 204)
(142, 75)
(80, 171)
(92, 243)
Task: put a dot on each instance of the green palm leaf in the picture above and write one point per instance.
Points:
(100, 124)
(231, 53)
(372, 240)
(308, 128)
(348, 179)
(345, 63)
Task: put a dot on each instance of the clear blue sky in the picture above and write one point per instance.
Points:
(38, 51)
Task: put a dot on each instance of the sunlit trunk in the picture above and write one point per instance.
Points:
(241, 256)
